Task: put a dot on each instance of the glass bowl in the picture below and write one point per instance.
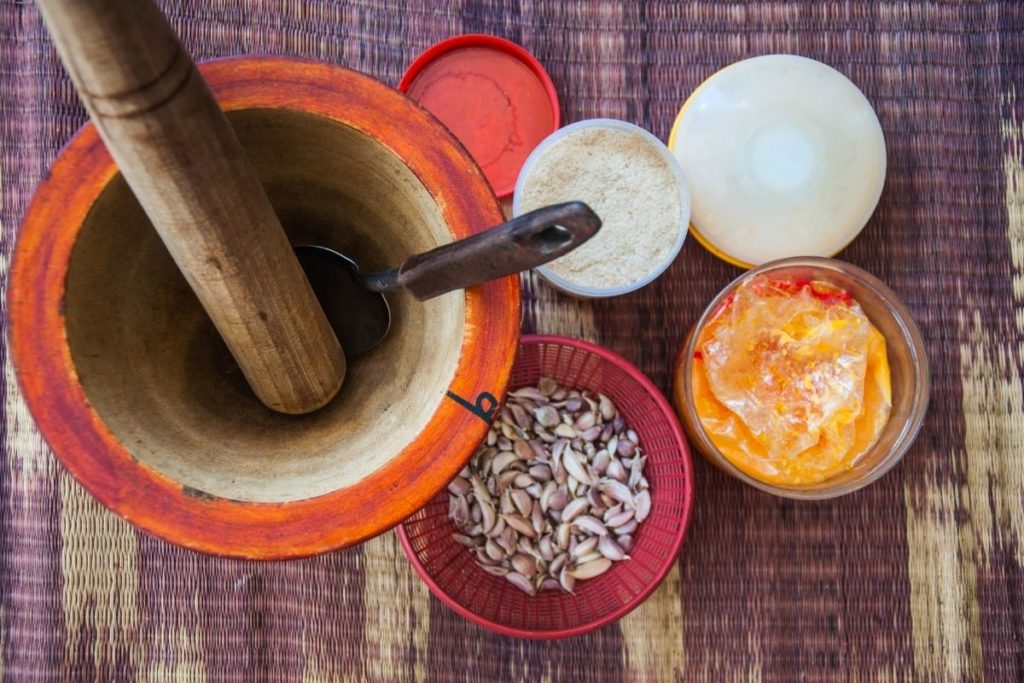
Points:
(908, 371)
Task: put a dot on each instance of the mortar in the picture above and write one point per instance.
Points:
(139, 398)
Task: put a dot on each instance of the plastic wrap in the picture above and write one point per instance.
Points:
(792, 381)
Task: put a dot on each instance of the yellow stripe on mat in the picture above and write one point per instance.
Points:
(952, 529)
(396, 605)
(100, 583)
(943, 584)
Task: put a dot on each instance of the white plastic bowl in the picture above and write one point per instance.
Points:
(568, 286)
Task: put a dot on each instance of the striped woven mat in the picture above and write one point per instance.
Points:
(920, 576)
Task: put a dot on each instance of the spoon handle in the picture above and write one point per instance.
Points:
(522, 243)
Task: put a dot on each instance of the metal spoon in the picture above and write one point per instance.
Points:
(354, 301)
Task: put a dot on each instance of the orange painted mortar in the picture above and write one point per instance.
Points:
(106, 467)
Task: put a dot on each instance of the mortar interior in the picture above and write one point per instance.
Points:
(158, 375)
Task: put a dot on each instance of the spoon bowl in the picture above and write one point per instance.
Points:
(354, 301)
(359, 316)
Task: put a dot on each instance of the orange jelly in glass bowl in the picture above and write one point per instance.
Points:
(790, 380)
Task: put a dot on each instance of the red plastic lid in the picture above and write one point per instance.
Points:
(493, 95)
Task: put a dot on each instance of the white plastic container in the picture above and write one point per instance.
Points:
(624, 193)
(785, 157)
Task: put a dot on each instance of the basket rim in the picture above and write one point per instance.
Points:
(672, 557)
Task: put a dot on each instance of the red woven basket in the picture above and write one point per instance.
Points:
(450, 570)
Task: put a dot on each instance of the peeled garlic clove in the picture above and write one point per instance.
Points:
(522, 450)
(480, 489)
(575, 467)
(559, 499)
(547, 416)
(537, 518)
(566, 431)
(507, 504)
(566, 580)
(530, 393)
(589, 557)
(521, 419)
(642, 504)
(540, 473)
(545, 548)
(520, 524)
(590, 525)
(564, 535)
(494, 551)
(610, 549)
(592, 569)
(521, 582)
(546, 494)
(574, 508)
(488, 516)
(636, 472)
(546, 436)
(505, 479)
(503, 460)
(495, 571)
(499, 528)
(461, 511)
(465, 540)
(549, 585)
(523, 479)
(509, 540)
(616, 471)
(619, 519)
(616, 490)
(611, 512)
(525, 565)
(627, 528)
(584, 548)
(585, 422)
(522, 501)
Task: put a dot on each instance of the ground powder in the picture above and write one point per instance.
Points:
(622, 177)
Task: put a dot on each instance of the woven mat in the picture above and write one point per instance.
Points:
(919, 576)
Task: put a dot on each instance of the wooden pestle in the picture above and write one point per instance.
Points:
(182, 160)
